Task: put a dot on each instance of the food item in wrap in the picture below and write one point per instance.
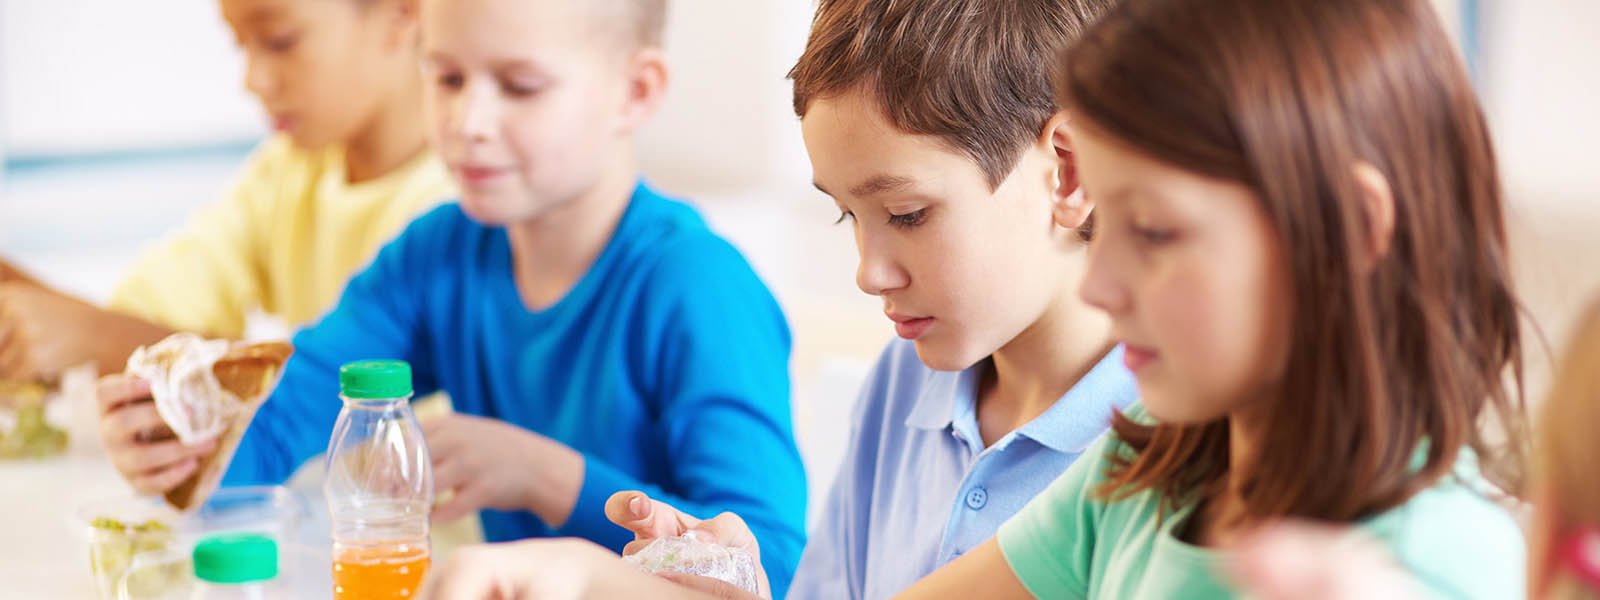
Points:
(113, 547)
(208, 389)
(690, 555)
(31, 436)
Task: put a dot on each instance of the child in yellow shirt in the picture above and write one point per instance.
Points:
(347, 167)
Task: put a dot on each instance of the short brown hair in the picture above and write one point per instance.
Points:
(1390, 355)
(975, 73)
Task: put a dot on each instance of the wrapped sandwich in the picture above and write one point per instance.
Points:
(208, 389)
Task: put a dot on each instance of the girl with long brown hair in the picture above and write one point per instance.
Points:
(1303, 250)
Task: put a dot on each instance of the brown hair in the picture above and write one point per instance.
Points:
(1389, 355)
(974, 73)
(1568, 450)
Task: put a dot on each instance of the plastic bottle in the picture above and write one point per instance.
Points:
(379, 485)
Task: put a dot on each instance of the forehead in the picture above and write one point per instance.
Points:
(514, 28)
(853, 145)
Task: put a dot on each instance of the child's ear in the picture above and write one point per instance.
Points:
(404, 21)
(1378, 204)
(647, 87)
(1070, 209)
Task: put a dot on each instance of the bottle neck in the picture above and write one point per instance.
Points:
(373, 403)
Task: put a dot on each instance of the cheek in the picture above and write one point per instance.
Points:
(557, 140)
(1207, 335)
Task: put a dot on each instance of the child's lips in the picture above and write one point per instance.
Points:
(282, 122)
(1137, 357)
(909, 327)
(476, 174)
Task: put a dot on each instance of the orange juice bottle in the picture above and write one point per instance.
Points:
(379, 485)
(378, 571)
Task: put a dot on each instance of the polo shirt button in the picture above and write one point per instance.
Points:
(977, 498)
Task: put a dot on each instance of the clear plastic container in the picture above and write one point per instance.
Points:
(140, 548)
(379, 485)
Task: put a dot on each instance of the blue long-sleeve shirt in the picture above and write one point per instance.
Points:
(666, 365)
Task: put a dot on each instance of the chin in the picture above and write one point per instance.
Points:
(488, 209)
(946, 355)
(1175, 407)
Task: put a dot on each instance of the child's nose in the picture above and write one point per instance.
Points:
(1100, 287)
(877, 272)
(475, 113)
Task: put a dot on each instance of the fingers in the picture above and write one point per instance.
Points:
(132, 423)
(647, 518)
(730, 530)
(164, 479)
(115, 390)
(144, 458)
(467, 500)
(466, 576)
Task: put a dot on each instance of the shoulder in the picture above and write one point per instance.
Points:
(668, 243)
(1456, 538)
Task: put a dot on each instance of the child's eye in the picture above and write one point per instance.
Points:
(451, 81)
(845, 215)
(282, 42)
(909, 220)
(1154, 236)
(521, 89)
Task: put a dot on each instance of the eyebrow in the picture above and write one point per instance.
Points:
(262, 15)
(873, 186)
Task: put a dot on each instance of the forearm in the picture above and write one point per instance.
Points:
(117, 335)
(554, 481)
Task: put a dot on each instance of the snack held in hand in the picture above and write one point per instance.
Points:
(689, 555)
(208, 389)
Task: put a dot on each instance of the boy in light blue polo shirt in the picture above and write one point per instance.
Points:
(965, 207)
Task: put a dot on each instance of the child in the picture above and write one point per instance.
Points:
(933, 125)
(950, 185)
(1300, 561)
(596, 335)
(1564, 552)
(1301, 243)
(347, 168)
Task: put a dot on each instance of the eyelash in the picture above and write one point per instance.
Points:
(454, 82)
(282, 43)
(1154, 236)
(909, 220)
(905, 221)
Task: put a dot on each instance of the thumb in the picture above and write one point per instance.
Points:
(647, 518)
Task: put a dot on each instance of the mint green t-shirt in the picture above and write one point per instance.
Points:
(1066, 544)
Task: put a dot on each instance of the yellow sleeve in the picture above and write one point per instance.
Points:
(206, 277)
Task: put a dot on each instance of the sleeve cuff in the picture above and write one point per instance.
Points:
(588, 519)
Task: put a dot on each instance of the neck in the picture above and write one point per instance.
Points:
(1222, 519)
(392, 137)
(551, 251)
(1039, 366)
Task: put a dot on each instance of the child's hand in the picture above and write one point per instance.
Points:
(138, 441)
(563, 569)
(543, 569)
(488, 463)
(42, 333)
(650, 519)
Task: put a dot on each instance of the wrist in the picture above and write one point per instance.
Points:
(554, 480)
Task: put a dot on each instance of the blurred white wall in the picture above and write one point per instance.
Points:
(91, 76)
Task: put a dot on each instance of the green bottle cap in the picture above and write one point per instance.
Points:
(236, 558)
(372, 379)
